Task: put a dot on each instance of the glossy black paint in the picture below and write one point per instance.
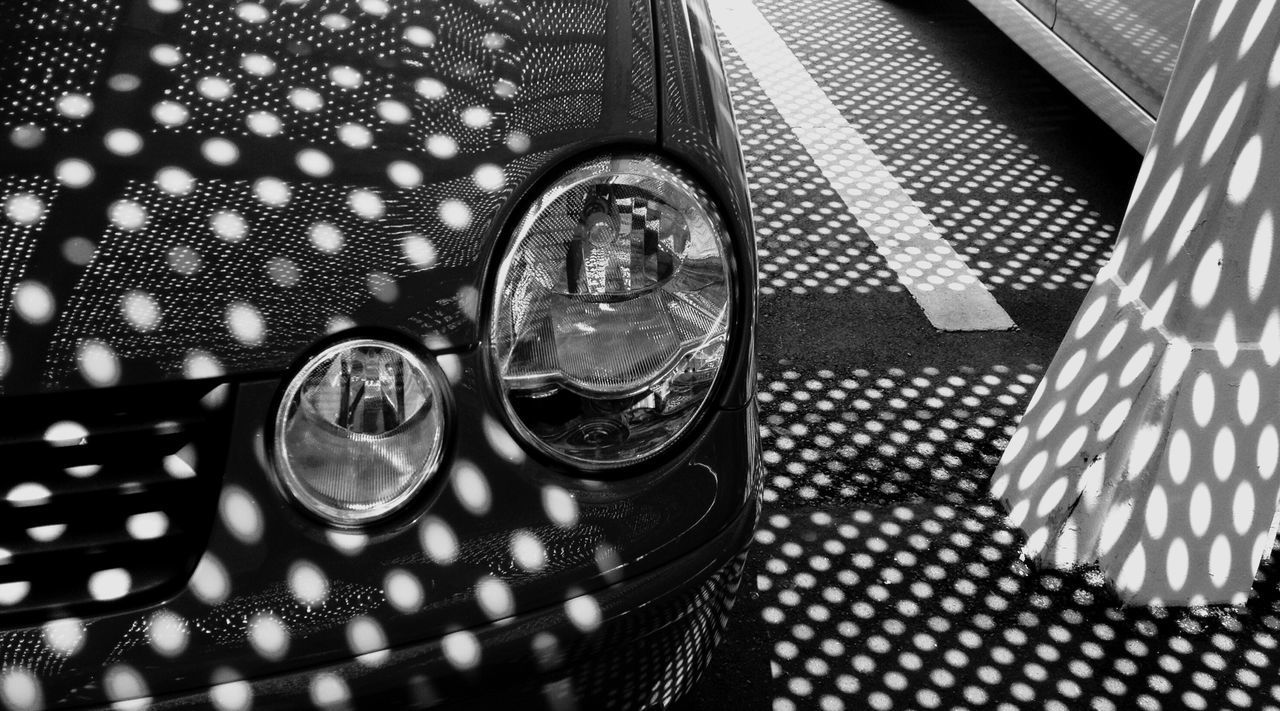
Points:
(503, 558)
(545, 82)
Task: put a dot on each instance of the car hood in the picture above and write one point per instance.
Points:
(208, 192)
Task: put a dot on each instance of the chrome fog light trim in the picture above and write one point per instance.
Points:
(360, 430)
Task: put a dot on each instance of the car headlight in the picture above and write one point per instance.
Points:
(611, 312)
(360, 430)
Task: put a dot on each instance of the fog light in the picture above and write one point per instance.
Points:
(360, 431)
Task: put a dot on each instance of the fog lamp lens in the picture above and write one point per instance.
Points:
(360, 431)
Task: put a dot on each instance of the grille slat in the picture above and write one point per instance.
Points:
(111, 507)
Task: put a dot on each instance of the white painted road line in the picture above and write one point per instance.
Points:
(951, 294)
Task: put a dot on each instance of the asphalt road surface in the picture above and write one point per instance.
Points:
(883, 575)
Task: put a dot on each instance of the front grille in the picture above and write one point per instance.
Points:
(106, 497)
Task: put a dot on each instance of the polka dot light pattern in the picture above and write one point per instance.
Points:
(889, 435)
(928, 606)
(1002, 207)
(887, 577)
(386, 122)
(201, 190)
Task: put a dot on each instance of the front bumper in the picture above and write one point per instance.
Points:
(641, 644)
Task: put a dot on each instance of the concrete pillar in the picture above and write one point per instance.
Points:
(1151, 445)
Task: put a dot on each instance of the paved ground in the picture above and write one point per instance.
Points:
(884, 576)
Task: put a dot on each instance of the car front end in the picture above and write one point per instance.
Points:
(370, 354)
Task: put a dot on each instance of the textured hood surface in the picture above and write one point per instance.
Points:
(205, 188)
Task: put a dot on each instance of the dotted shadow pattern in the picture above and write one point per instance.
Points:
(1018, 223)
(887, 436)
(199, 188)
(928, 606)
(887, 577)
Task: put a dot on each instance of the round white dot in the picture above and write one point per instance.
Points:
(209, 582)
(127, 215)
(346, 77)
(124, 82)
(24, 208)
(147, 526)
(252, 12)
(455, 214)
(518, 142)
(220, 151)
(326, 237)
(268, 636)
(504, 88)
(245, 323)
(111, 584)
(355, 135)
(489, 177)
(419, 251)
(79, 251)
(334, 21)
(477, 117)
(97, 363)
(199, 365)
(403, 591)
(33, 301)
(168, 633)
(170, 114)
(419, 36)
(19, 689)
(377, 8)
(263, 123)
(314, 162)
(308, 584)
(259, 65)
(431, 89)
(64, 636)
(123, 142)
(26, 136)
(74, 173)
(229, 225)
(175, 181)
(75, 106)
(366, 204)
(443, 147)
(141, 310)
(272, 191)
(393, 111)
(404, 174)
(166, 55)
(304, 99)
(214, 88)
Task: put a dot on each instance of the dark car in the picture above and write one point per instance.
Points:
(369, 353)
(1116, 56)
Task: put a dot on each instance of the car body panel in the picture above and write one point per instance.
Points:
(1134, 43)
(497, 536)
(250, 246)
(144, 277)
(1045, 10)
(1081, 78)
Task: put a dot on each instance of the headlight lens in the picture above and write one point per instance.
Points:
(360, 430)
(611, 312)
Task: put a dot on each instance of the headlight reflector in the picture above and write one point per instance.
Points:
(360, 430)
(612, 311)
